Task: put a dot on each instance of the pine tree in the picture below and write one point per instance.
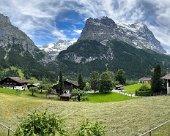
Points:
(94, 80)
(81, 82)
(60, 83)
(156, 81)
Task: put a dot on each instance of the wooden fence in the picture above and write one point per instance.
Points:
(5, 130)
(154, 129)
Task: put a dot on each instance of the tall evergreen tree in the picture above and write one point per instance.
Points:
(120, 76)
(94, 80)
(156, 81)
(81, 82)
(60, 83)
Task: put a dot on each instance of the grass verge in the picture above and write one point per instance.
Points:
(106, 97)
(131, 89)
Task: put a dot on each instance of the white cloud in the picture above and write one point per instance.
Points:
(78, 31)
(59, 34)
(37, 18)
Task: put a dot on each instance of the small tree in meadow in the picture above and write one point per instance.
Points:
(33, 90)
(79, 94)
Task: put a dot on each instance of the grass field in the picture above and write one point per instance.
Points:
(107, 97)
(125, 118)
(131, 89)
(162, 131)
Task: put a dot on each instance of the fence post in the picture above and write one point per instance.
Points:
(150, 133)
(9, 131)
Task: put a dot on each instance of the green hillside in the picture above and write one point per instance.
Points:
(30, 65)
(116, 54)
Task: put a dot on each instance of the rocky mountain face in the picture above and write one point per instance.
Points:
(54, 49)
(105, 29)
(103, 44)
(11, 35)
(17, 49)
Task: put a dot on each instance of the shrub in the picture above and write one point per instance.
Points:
(144, 90)
(90, 129)
(40, 124)
(33, 90)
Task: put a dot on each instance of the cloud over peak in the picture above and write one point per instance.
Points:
(47, 21)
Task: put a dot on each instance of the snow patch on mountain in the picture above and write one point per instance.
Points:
(53, 49)
(105, 29)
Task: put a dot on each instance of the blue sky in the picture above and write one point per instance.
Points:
(47, 21)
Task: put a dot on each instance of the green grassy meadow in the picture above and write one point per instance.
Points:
(125, 118)
(131, 89)
(107, 97)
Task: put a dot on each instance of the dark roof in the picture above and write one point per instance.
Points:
(65, 95)
(57, 86)
(145, 79)
(72, 82)
(166, 76)
(18, 79)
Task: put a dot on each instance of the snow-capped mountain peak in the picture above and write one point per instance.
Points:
(105, 29)
(53, 49)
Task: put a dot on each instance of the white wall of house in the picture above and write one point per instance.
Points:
(168, 87)
(18, 87)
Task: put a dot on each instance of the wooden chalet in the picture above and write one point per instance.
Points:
(145, 80)
(167, 78)
(68, 85)
(14, 83)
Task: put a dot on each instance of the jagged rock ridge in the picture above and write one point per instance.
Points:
(11, 35)
(105, 29)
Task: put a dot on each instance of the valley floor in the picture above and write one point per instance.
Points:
(125, 118)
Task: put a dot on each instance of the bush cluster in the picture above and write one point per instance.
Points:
(144, 90)
(44, 124)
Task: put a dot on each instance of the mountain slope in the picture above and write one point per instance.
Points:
(86, 56)
(17, 49)
(105, 29)
(11, 35)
